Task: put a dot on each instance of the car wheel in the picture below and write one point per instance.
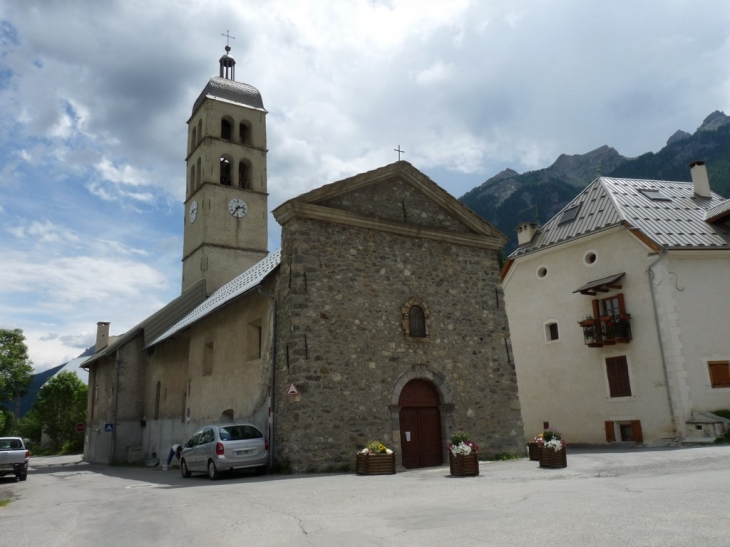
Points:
(184, 471)
(261, 470)
(23, 477)
(213, 471)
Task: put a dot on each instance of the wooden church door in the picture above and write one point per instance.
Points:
(420, 425)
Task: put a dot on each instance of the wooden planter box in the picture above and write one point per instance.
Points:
(375, 464)
(464, 466)
(549, 457)
(533, 450)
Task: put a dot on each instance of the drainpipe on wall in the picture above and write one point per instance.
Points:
(117, 362)
(273, 378)
(650, 276)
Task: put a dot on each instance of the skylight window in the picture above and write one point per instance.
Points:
(655, 195)
(569, 215)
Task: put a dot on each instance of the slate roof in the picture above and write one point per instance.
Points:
(248, 280)
(677, 222)
(231, 91)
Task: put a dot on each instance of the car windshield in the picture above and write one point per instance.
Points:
(239, 433)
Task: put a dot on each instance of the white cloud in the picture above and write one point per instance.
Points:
(126, 174)
(437, 72)
(95, 97)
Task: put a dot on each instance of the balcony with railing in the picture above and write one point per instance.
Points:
(606, 330)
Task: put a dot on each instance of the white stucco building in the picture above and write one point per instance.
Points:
(645, 267)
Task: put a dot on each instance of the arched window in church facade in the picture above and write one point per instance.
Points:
(197, 174)
(200, 130)
(415, 319)
(191, 185)
(194, 139)
(244, 180)
(243, 133)
(225, 129)
(225, 171)
(416, 322)
(157, 400)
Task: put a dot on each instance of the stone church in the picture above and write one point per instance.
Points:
(381, 316)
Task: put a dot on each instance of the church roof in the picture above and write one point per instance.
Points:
(231, 91)
(242, 284)
(306, 204)
(668, 213)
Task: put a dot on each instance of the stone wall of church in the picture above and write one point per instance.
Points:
(342, 291)
(397, 201)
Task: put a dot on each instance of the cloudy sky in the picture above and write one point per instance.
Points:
(94, 97)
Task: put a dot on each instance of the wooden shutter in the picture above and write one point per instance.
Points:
(617, 370)
(719, 373)
(610, 432)
(636, 434)
(621, 305)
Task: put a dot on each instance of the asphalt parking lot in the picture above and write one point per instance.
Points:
(661, 497)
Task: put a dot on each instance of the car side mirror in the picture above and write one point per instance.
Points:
(189, 444)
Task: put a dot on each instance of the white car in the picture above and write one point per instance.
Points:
(214, 449)
(14, 457)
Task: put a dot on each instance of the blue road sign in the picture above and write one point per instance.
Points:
(108, 428)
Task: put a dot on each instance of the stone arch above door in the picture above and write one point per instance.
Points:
(422, 372)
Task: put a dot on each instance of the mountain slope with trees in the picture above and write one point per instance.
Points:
(509, 198)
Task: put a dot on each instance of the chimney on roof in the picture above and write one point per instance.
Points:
(102, 336)
(525, 232)
(700, 179)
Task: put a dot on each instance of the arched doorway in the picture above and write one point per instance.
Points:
(420, 425)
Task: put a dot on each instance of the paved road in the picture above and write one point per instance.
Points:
(667, 497)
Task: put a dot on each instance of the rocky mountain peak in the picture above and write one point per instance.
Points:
(678, 136)
(714, 121)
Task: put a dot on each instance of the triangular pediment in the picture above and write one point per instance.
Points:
(395, 198)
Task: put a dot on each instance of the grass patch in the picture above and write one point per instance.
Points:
(723, 413)
(503, 457)
(281, 466)
(4, 503)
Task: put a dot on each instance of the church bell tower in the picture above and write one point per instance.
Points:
(226, 229)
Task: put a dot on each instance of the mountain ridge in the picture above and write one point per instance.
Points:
(508, 198)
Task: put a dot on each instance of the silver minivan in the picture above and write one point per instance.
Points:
(214, 449)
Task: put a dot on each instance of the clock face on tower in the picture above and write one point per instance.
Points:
(237, 207)
(192, 215)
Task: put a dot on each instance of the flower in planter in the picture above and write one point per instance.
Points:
(551, 438)
(375, 447)
(462, 445)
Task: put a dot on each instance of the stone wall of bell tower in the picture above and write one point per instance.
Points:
(226, 205)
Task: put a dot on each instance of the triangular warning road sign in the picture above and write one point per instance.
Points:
(292, 389)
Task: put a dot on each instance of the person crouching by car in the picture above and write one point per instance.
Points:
(175, 451)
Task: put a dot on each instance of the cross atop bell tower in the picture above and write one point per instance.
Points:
(228, 64)
(226, 205)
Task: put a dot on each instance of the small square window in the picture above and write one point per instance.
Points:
(655, 195)
(551, 332)
(719, 373)
(569, 215)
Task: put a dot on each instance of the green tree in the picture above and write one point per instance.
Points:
(60, 405)
(31, 427)
(16, 369)
(7, 421)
